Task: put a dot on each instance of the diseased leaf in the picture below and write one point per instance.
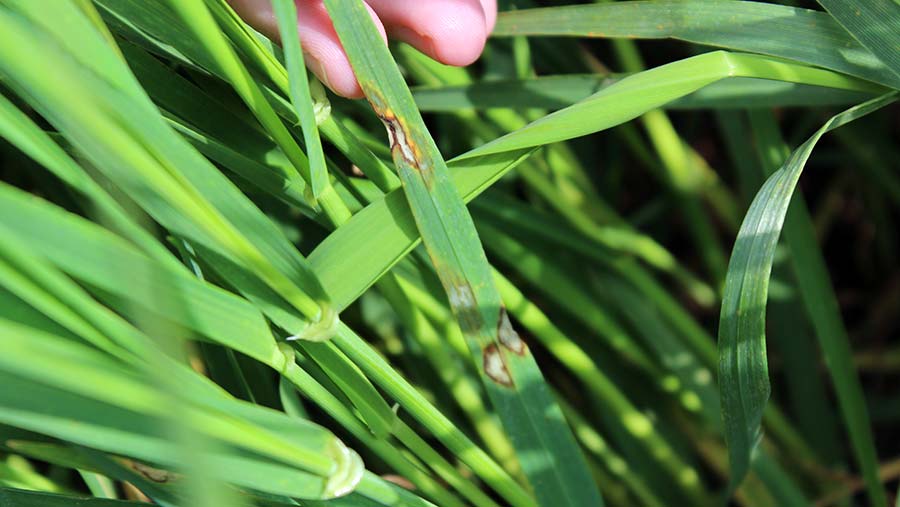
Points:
(546, 448)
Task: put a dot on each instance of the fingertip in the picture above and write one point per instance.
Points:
(378, 24)
(452, 32)
(259, 15)
(323, 51)
(458, 42)
(490, 14)
(351, 91)
(458, 31)
(338, 76)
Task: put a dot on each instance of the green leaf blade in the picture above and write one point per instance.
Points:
(545, 445)
(286, 14)
(801, 35)
(743, 369)
(874, 23)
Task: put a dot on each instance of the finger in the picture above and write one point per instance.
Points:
(259, 15)
(450, 31)
(490, 14)
(322, 49)
(327, 58)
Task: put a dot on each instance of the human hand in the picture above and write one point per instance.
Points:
(450, 31)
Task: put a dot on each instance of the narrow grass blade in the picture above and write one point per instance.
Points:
(286, 12)
(801, 35)
(75, 244)
(430, 332)
(99, 485)
(153, 27)
(644, 91)
(594, 443)
(374, 409)
(385, 449)
(217, 132)
(23, 498)
(440, 425)
(129, 419)
(256, 52)
(173, 183)
(17, 128)
(38, 283)
(821, 304)
(342, 252)
(542, 236)
(555, 92)
(69, 26)
(546, 449)
(874, 23)
(570, 354)
(743, 370)
(197, 17)
(83, 458)
(812, 410)
(281, 314)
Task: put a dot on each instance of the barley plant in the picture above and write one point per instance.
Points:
(541, 280)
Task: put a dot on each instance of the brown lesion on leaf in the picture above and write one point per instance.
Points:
(403, 147)
(508, 336)
(495, 366)
(153, 474)
(399, 480)
(462, 300)
(461, 297)
(401, 142)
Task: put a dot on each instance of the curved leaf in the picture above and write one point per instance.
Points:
(743, 370)
(644, 91)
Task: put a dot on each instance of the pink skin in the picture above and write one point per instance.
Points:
(450, 31)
